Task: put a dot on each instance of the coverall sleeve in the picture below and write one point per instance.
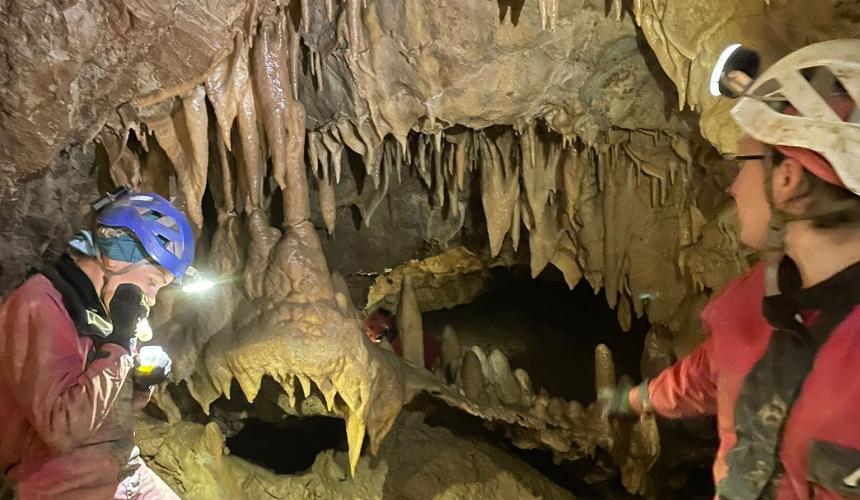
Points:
(686, 389)
(64, 399)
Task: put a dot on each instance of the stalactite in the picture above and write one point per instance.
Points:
(268, 73)
(296, 197)
(373, 150)
(353, 16)
(573, 172)
(398, 159)
(222, 177)
(252, 169)
(222, 95)
(328, 205)
(335, 151)
(124, 164)
(438, 174)
(329, 10)
(347, 134)
(421, 157)
(193, 180)
(500, 192)
(565, 259)
(552, 13)
(294, 45)
(378, 193)
(542, 5)
(306, 16)
(182, 131)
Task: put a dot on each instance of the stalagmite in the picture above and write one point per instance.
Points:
(506, 384)
(540, 405)
(472, 378)
(525, 383)
(604, 371)
(409, 323)
(482, 358)
(452, 351)
(575, 411)
(556, 410)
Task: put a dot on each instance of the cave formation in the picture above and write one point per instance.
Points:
(501, 174)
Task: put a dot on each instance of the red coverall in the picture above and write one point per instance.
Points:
(827, 410)
(61, 437)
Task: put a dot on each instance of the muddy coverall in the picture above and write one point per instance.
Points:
(66, 407)
(782, 375)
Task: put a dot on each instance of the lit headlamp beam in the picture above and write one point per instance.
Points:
(198, 286)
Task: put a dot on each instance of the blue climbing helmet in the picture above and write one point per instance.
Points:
(161, 228)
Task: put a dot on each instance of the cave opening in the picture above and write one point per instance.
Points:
(289, 446)
(546, 329)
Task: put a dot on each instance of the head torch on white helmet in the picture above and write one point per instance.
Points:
(806, 100)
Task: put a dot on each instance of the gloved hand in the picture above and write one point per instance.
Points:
(618, 400)
(127, 307)
(151, 367)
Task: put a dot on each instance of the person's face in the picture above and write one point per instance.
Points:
(749, 192)
(149, 277)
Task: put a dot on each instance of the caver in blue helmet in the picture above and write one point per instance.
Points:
(160, 228)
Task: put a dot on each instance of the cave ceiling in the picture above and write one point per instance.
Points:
(580, 131)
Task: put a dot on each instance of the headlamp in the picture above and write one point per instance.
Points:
(194, 282)
(734, 72)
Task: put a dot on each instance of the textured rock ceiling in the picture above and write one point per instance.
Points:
(554, 120)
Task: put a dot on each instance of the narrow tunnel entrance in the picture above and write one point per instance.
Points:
(545, 329)
(289, 446)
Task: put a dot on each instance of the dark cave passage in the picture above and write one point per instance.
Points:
(545, 329)
(290, 446)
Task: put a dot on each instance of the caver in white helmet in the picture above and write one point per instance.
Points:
(805, 104)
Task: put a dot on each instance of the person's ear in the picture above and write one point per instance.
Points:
(787, 179)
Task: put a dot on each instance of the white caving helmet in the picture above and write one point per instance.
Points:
(805, 105)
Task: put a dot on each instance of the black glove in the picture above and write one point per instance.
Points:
(127, 308)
